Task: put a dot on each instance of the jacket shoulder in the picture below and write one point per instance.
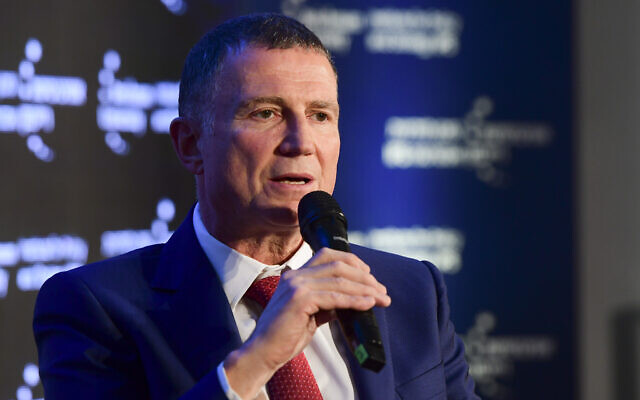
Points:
(394, 266)
(136, 264)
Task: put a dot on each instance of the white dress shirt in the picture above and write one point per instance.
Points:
(237, 272)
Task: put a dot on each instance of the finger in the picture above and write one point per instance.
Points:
(336, 269)
(324, 300)
(346, 286)
(325, 255)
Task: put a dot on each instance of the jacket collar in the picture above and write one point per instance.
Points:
(374, 385)
(197, 316)
(199, 300)
(181, 256)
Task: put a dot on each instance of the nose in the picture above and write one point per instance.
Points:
(298, 139)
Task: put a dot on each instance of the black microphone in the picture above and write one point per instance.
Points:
(323, 224)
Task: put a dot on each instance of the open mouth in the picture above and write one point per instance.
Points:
(292, 180)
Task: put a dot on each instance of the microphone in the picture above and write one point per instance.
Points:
(323, 224)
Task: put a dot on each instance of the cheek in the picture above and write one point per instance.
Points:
(330, 155)
(249, 158)
(333, 149)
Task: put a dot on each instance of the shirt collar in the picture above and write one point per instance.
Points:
(237, 271)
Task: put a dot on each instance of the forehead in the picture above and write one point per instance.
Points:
(251, 68)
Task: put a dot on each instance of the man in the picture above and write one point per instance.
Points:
(258, 128)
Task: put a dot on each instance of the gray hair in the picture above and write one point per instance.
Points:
(268, 30)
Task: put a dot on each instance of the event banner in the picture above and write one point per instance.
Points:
(456, 131)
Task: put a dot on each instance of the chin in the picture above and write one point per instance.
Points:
(283, 217)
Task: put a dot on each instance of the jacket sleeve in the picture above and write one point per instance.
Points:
(460, 386)
(83, 354)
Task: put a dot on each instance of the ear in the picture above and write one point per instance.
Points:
(184, 135)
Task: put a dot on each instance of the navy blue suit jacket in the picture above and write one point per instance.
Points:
(155, 323)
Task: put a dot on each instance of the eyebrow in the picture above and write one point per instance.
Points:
(280, 102)
(325, 105)
(250, 103)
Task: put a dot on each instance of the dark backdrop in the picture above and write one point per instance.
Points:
(457, 147)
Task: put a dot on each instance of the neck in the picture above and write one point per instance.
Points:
(270, 250)
(270, 245)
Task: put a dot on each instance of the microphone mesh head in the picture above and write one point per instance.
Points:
(316, 205)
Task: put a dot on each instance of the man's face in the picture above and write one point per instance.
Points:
(274, 137)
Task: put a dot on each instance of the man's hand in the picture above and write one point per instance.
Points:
(305, 299)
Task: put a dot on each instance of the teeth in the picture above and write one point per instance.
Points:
(293, 182)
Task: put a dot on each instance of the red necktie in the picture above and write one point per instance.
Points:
(294, 380)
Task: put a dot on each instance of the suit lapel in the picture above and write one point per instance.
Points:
(191, 304)
(369, 384)
(192, 310)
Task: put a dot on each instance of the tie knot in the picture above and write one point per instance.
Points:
(262, 290)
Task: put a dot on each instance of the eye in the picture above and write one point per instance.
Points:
(320, 116)
(264, 114)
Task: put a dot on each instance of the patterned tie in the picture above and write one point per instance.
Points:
(294, 380)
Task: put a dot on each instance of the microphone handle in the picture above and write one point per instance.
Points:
(360, 328)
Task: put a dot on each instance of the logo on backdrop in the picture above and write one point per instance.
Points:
(411, 31)
(36, 259)
(35, 95)
(176, 7)
(31, 378)
(113, 243)
(441, 246)
(123, 105)
(471, 142)
(492, 359)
